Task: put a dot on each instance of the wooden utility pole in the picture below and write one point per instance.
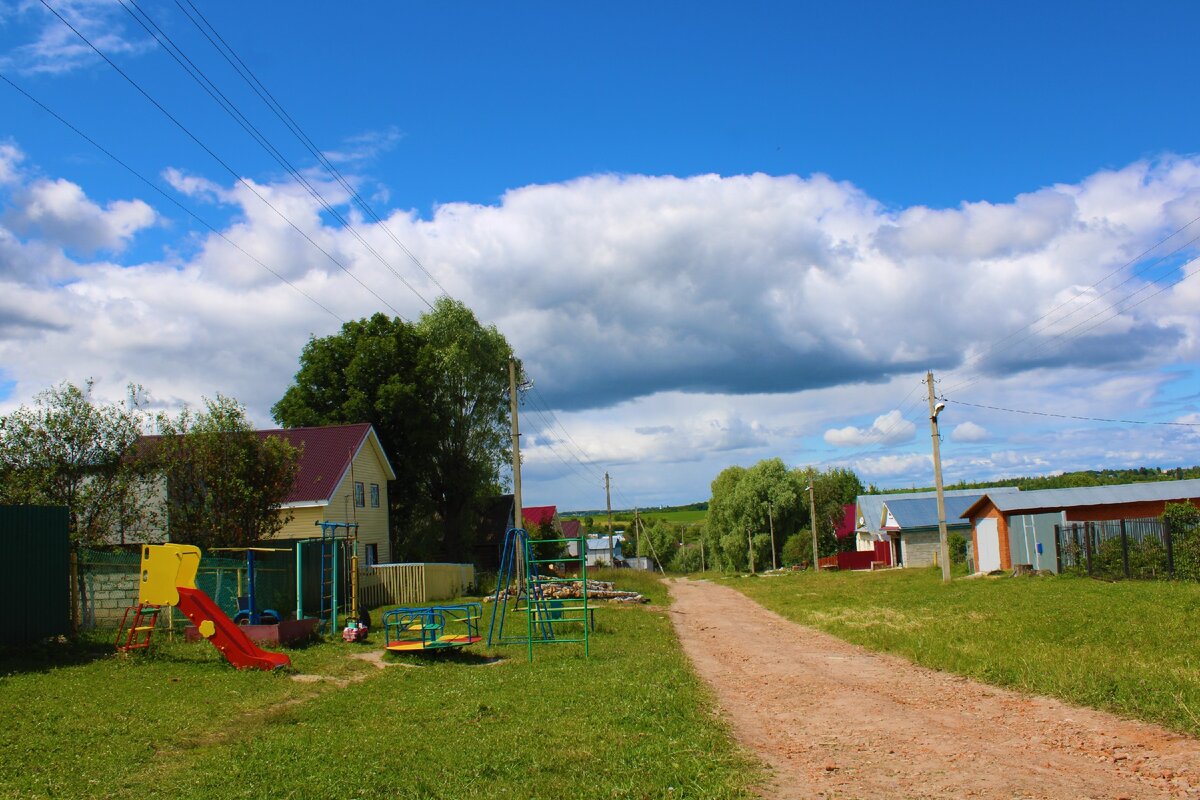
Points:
(608, 503)
(637, 533)
(943, 540)
(518, 521)
(771, 521)
(750, 545)
(812, 515)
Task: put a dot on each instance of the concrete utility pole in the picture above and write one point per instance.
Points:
(771, 522)
(701, 554)
(608, 502)
(750, 544)
(516, 443)
(943, 541)
(812, 515)
(637, 534)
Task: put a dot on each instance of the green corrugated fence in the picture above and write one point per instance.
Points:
(35, 573)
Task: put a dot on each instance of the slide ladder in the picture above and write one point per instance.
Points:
(137, 632)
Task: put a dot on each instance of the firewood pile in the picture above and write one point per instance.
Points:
(597, 590)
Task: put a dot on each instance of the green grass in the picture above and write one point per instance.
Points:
(631, 721)
(1131, 647)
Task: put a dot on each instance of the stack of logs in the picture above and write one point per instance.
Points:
(597, 590)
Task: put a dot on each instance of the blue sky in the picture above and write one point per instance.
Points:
(735, 231)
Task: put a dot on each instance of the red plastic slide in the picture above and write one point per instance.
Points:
(225, 635)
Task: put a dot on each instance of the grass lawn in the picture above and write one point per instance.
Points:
(1131, 647)
(631, 721)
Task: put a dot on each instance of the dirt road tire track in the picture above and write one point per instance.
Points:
(836, 721)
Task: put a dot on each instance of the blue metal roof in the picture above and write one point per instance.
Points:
(1061, 499)
(870, 506)
(921, 512)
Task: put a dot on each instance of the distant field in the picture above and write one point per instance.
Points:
(624, 518)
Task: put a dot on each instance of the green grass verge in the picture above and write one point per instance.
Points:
(1131, 647)
(631, 721)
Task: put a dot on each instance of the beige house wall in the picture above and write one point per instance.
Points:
(372, 521)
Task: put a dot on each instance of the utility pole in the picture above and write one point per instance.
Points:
(637, 532)
(943, 541)
(702, 569)
(750, 544)
(812, 516)
(771, 521)
(608, 502)
(518, 521)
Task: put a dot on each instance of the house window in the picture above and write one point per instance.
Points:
(374, 495)
(360, 500)
(372, 555)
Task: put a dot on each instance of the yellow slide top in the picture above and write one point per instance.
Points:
(165, 567)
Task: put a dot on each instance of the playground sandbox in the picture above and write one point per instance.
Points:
(290, 631)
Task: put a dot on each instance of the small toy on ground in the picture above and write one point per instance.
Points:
(436, 627)
(355, 631)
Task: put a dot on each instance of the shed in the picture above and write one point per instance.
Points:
(1019, 529)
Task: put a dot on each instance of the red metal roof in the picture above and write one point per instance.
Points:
(325, 457)
(572, 528)
(537, 515)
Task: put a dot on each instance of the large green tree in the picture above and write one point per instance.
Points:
(225, 484)
(436, 392)
(68, 449)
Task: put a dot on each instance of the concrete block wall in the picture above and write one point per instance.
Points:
(104, 596)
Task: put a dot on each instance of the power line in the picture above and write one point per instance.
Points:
(215, 157)
(1071, 416)
(230, 108)
(240, 66)
(168, 197)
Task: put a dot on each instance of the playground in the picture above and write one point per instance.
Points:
(177, 718)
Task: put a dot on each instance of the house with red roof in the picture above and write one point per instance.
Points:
(343, 477)
(536, 516)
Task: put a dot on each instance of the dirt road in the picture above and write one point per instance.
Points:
(836, 721)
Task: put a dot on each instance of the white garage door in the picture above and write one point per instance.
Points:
(989, 544)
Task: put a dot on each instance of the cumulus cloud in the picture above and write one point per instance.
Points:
(969, 432)
(691, 321)
(890, 428)
(59, 211)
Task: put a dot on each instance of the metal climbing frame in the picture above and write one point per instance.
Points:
(329, 543)
(550, 614)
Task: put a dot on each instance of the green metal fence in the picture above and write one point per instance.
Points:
(34, 574)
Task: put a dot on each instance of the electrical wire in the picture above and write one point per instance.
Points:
(215, 157)
(230, 55)
(230, 108)
(1072, 416)
(167, 196)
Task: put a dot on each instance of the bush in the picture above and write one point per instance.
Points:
(686, 559)
(797, 549)
(958, 548)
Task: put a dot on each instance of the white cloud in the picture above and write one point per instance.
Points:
(60, 212)
(890, 428)
(969, 432)
(691, 322)
(364, 147)
(57, 49)
(10, 157)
